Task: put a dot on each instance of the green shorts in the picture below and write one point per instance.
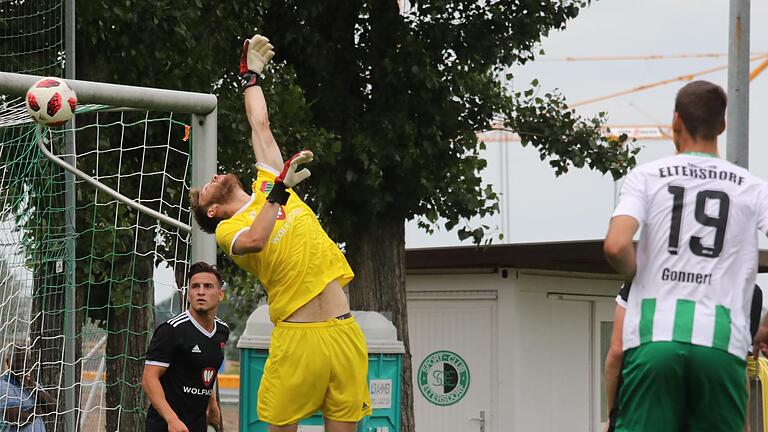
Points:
(674, 386)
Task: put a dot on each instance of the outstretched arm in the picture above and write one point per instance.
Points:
(256, 54)
(264, 145)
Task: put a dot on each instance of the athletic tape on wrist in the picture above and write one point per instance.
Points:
(249, 79)
(278, 194)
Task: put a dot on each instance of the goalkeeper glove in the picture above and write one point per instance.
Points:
(289, 178)
(256, 53)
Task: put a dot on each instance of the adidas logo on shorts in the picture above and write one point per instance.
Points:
(365, 406)
(196, 349)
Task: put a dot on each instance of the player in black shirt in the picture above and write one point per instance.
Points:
(184, 357)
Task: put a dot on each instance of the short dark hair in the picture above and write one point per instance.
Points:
(200, 211)
(204, 267)
(701, 106)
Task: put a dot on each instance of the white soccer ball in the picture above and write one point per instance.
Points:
(51, 102)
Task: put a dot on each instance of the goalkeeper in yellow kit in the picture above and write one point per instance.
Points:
(318, 358)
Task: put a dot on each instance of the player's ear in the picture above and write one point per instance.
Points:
(213, 210)
(221, 294)
(677, 123)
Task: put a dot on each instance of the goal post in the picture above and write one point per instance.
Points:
(29, 151)
(201, 106)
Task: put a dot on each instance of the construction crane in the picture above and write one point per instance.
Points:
(642, 57)
(647, 132)
(688, 77)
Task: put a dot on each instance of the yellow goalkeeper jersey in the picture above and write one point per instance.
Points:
(299, 259)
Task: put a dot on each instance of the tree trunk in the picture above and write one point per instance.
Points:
(130, 326)
(126, 345)
(378, 259)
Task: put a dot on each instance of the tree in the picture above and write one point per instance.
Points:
(390, 102)
(405, 94)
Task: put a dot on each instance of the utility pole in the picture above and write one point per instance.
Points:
(737, 135)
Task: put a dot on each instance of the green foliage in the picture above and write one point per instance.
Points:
(391, 103)
(406, 96)
(566, 139)
(33, 37)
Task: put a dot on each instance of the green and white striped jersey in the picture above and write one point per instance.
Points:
(697, 254)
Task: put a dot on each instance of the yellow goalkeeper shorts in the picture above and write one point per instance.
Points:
(315, 367)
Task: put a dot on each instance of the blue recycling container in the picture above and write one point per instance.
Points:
(385, 359)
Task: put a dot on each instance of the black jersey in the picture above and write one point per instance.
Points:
(192, 357)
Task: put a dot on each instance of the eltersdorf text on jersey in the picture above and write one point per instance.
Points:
(686, 277)
(700, 173)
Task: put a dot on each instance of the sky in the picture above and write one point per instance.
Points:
(536, 205)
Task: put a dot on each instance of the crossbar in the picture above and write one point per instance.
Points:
(89, 92)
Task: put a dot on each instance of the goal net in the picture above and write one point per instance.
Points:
(96, 287)
(87, 268)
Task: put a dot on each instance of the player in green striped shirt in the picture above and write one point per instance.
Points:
(686, 328)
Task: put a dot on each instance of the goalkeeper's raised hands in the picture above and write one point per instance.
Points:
(289, 177)
(256, 54)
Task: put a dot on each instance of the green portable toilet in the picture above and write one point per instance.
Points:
(385, 354)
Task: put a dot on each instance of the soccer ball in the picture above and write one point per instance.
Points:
(51, 102)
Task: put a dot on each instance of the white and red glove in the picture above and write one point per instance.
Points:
(256, 53)
(289, 177)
